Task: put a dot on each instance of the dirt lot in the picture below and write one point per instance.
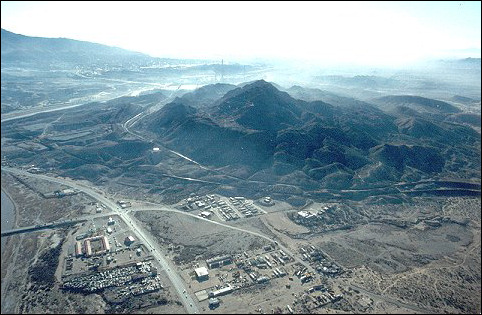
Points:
(35, 209)
(197, 239)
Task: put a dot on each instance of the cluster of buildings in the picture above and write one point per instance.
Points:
(243, 206)
(279, 258)
(202, 273)
(320, 262)
(271, 260)
(254, 266)
(311, 254)
(92, 246)
(232, 210)
(198, 202)
(329, 268)
(128, 276)
(316, 297)
(302, 273)
(264, 267)
(305, 217)
(226, 211)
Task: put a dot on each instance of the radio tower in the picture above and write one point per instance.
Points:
(222, 72)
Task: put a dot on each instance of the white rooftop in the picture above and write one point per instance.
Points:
(201, 271)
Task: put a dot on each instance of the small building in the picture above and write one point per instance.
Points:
(213, 303)
(111, 221)
(262, 279)
(68, 191)
(109, 230)
(267, 201)
(205, 214)
(307, 215)
(78, 249)
(129, 240)
(202, 274)
(220, 292)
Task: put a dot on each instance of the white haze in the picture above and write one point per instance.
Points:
(322, 33)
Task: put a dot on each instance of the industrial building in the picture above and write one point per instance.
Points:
(101, 242)
(306, 215)
(213, 303)
(219, 261)
(205, 214)
(220, 292)
(202, 274)
(78, 249)
(129, 240)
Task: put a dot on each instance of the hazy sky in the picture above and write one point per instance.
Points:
(370, 33)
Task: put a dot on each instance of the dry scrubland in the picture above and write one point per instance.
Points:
(198, 239)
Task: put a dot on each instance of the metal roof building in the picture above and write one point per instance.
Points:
(201, 273)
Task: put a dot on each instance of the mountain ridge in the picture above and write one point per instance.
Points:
(46, 52)
(262, 131)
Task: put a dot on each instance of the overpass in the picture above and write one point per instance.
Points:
(38, 227)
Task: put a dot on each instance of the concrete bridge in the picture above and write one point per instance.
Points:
(38, 227)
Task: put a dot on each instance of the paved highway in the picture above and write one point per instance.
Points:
(145, 237)
(38, 110)
(175, 279)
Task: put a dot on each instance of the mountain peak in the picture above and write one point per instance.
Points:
(259, 105)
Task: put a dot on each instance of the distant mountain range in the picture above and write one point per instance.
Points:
(266, 134)
(58, 52)
(304, 138)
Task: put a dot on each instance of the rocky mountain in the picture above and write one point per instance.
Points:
(259, 106)
(205, 96)
(273, 136)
